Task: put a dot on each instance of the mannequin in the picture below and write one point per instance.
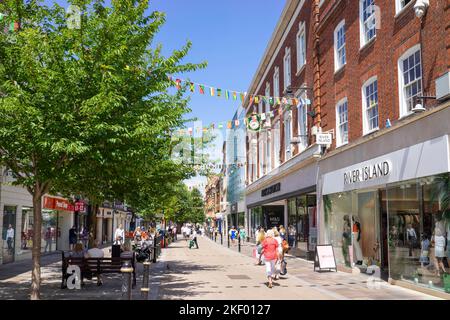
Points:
(346, 240)
(356, 232)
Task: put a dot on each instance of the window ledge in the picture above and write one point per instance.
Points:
(341, 145)
(303, 67)
(406, 115)
(403, 10)
(340, 70)
(371, 131)
(368, 44)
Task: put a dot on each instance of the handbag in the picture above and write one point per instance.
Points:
(278, 267)
(283, 265)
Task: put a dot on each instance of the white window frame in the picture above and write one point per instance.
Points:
(366, 129)
(276, 144)
(399, 7)
(268, 153)
(339, 132)
(362, 24)
(287, 119)
(302, 114)
(276, 82)
(401, 80)
(267, 93)
(301, 46)
(337, 62)
(287, 68)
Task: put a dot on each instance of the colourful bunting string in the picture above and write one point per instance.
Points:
(201, 88)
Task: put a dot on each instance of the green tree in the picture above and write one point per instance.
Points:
(84, 108)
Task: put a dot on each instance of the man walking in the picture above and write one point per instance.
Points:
(194, 238)
(119, 235)
(10, 238)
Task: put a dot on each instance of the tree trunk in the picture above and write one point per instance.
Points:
(93, 226)
(36, 251)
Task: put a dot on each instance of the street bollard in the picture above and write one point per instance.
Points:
(145, 288)
(127, 271)
(154, 253)
(239, 243)
(228, 240)
(221, 238)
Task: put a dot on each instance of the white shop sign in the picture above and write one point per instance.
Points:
(324, 138)
(424, 159)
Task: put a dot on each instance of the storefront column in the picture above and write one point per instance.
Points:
(109, 230)
(99, 231)
(18, 233)
(285, 214)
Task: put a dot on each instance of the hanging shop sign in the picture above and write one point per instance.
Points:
(324, 138)
(80, 206)
(324, 258)
(57, 204)
(254, 122)
(271, 189)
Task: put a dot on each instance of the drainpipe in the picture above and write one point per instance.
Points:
(316, 61)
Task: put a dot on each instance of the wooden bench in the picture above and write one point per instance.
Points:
(90, 267)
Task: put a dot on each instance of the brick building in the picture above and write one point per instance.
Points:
(361, 70)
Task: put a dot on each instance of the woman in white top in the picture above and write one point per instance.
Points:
(439, 249)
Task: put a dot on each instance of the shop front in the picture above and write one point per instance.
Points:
(287, 197)
(58, 218)
(389, 211)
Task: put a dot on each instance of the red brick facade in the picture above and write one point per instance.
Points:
(398, 32)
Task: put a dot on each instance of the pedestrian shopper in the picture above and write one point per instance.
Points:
(411, 236)
(188, 233)
(174, 230)
(280, 244)
(282, 231)
(270, 246)
(260, 236)
(84, 235)
(242, 234)
(72, 237)
(96, 252)
(233, 235)
(77, 251)
(126, 251)
(137, 235)
(10, 238)
(291, 235)
(48, 239)
(194, 238)
(119, 235)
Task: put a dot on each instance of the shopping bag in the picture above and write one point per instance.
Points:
(278, 267)
(283, 266)
(447, 282)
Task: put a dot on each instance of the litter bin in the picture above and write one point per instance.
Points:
(115, 251)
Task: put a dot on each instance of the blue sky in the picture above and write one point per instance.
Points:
(231, 35)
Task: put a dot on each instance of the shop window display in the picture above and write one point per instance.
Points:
(49, 231)
(419, 230)
(352, 227)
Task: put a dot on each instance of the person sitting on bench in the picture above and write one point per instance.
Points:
(96, 252)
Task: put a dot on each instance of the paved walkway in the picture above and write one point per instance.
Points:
(218, 273)
(211, 272)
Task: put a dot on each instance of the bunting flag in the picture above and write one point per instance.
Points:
(278, 100)
(236, 122)
(284, 101)
(211, 90)
(178, 84)
(263, 116)
(201, 89)
(191, 86)
(234, 96)
(242, 97)
(229, 125)
(220, 126)
(256, 99)
(11, 27)
(227, 95)
(219, 92)
(271, 101)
